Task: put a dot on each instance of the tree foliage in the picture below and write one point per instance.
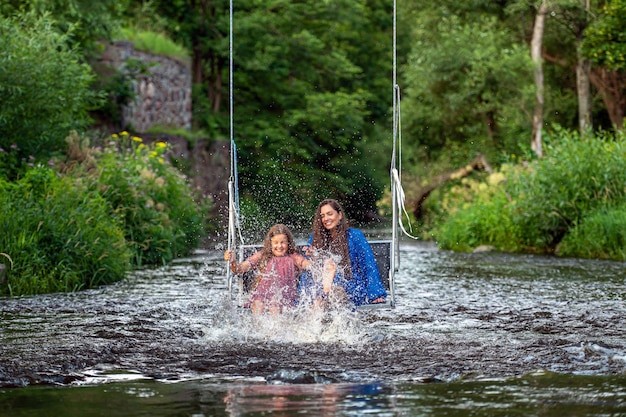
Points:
(44, 89)
(468, 82)
(605, 40)
(312, 83)
(310, 90)
(86, 21)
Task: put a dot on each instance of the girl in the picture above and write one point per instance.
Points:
(276, 286)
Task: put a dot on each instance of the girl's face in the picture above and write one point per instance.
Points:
(330, 217)
(279, 244)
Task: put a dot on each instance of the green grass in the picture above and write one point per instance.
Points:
(155, 43)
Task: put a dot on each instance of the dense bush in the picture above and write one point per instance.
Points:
(153, 201)
(578, 188)
(480, 221)
(57, 236)
(44, 88)
(601, 235)
(106, 211)
(578, 177)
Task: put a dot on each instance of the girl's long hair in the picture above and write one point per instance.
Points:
(323, 239)
(266, 252)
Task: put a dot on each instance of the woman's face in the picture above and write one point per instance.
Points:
(330, 217)
(279, 244)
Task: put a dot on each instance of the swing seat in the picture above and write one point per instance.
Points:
(383, 252)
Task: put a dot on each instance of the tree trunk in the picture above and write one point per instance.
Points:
(612, 88)
(535, 52)
(584, 93)
(583, 67)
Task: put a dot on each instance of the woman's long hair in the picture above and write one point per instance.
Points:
(323, 238)
(266, 252)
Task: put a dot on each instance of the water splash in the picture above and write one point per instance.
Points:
(304, 324)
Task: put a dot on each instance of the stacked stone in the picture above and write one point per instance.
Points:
(163, 98)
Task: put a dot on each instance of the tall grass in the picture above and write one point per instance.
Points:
(105, 211)
(601, 235)
(477, 208)
(59, 236)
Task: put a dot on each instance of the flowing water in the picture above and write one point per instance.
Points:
(471, 334)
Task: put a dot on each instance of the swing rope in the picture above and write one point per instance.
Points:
(234, 225)
(397, 192)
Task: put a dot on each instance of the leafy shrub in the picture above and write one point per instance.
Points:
(479, 214)
(44, 89)
(153, 201)
(601, 235)
(58, 235)
(577, 177)
(570, 190)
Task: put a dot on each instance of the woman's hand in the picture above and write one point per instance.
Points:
(378, 300)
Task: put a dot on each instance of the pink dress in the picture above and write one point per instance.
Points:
(278, 284)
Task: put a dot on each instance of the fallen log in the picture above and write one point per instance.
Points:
(478, 163)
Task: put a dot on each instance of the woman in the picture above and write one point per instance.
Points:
(357, 270)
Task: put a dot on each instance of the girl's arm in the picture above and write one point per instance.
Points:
(328, 272)
(237, 268)
(328, 275)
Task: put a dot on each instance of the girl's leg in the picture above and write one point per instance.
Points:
(257, 307)
(274, 309)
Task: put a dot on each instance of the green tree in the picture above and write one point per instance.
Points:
(605, 46)
(605, 38)
(468, 85)
(88, 21)
(310, 92)
(44, 89)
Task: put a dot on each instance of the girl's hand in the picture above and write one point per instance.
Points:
(232, 263)
(328, 275)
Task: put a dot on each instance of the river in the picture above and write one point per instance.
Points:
(471, 334)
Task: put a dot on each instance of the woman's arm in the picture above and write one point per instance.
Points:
(365, 261)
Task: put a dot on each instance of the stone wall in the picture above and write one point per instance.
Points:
(163, 97)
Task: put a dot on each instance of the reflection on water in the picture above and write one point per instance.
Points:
(471, 334)
(544, 394)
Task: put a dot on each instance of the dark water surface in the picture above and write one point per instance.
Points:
(472, 334)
